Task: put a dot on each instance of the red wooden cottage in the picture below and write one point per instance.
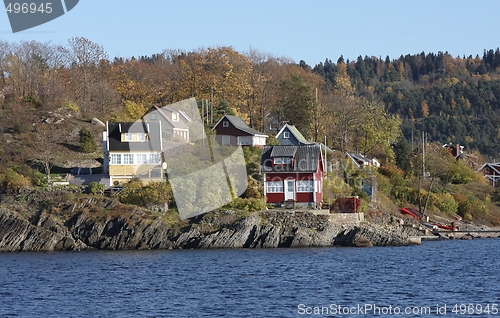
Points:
(293, 174)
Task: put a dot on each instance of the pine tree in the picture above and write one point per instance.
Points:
(87, 143)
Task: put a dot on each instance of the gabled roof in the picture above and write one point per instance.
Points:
(294, 131)
(166, 113)
(115, 130)
(494, 166)
(307, 158)
(239, 124)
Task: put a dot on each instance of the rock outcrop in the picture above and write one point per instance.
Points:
(82, 229)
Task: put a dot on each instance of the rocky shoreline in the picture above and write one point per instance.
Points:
(86, 224)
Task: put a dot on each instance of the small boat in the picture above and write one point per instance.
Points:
(407, 211)
(445, 227)
(431, 226)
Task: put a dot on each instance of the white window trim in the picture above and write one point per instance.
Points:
(127, 137)
(275, 187)
(305, 185)
(226, 140)
(286, 134)
(225, 124)
(116, 159)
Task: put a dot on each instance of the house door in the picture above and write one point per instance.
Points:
(289, 190)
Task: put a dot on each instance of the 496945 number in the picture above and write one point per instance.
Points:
(29, 8)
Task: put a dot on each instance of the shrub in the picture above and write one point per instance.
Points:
(10, 180)
(446, 203)
(20, 127)
(36, 177)
(96, 188)
(134, 192)
(87, 143)
(248, 205)
(470, 207)
(30, 98)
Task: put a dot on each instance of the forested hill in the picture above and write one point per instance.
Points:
(357, 105)
(453, 99)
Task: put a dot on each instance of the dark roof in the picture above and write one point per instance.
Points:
(306, 158)
(293, 130)
(151, 128)
(283, 151)
(238, 123)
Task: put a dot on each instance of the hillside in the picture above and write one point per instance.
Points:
(373, 106)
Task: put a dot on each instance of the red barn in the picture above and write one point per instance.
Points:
(293, 174)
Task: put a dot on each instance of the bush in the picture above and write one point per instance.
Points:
(445, 203)
(87, 143)
(470, 207)
(96, 188)
(10, 180)
(135, 192)
(21, 127)
(248, 205)
(36, 177)
(30, 98)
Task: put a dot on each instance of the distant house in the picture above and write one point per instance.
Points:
(361, 161)
(133, 150)
(290, 135)
(491, 171)
(174, 122)
(293, 173)
(232, 130)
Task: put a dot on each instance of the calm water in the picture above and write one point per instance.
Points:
(251, 283)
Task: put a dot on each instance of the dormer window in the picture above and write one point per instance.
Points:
(282, 161)
(286, 134)
(175, 116)
(225, 124)
(141, 137)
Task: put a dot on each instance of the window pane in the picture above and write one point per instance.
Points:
(116, 159)
(128, 159)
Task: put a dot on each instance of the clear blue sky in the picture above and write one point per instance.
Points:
(301, 30)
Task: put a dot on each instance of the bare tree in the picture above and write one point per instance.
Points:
(85, 57)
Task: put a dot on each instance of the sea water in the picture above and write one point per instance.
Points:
(445, 278)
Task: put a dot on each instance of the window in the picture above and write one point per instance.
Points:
(175, 116)
(226, 140)
(141, 137)
(116, 159)
(274, 186)
(282, 161)
(305, 186)
(286, 134)
(128, 159)
(128, 137)
(153, 116)
(154, 159)
(142, 159)
(225, 123)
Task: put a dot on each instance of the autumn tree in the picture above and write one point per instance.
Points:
(343, 109)
(296, 103)
(85, 57)
(377, 130)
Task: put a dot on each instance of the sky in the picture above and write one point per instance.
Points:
(312, 30)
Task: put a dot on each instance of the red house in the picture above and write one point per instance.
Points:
(293, 174)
